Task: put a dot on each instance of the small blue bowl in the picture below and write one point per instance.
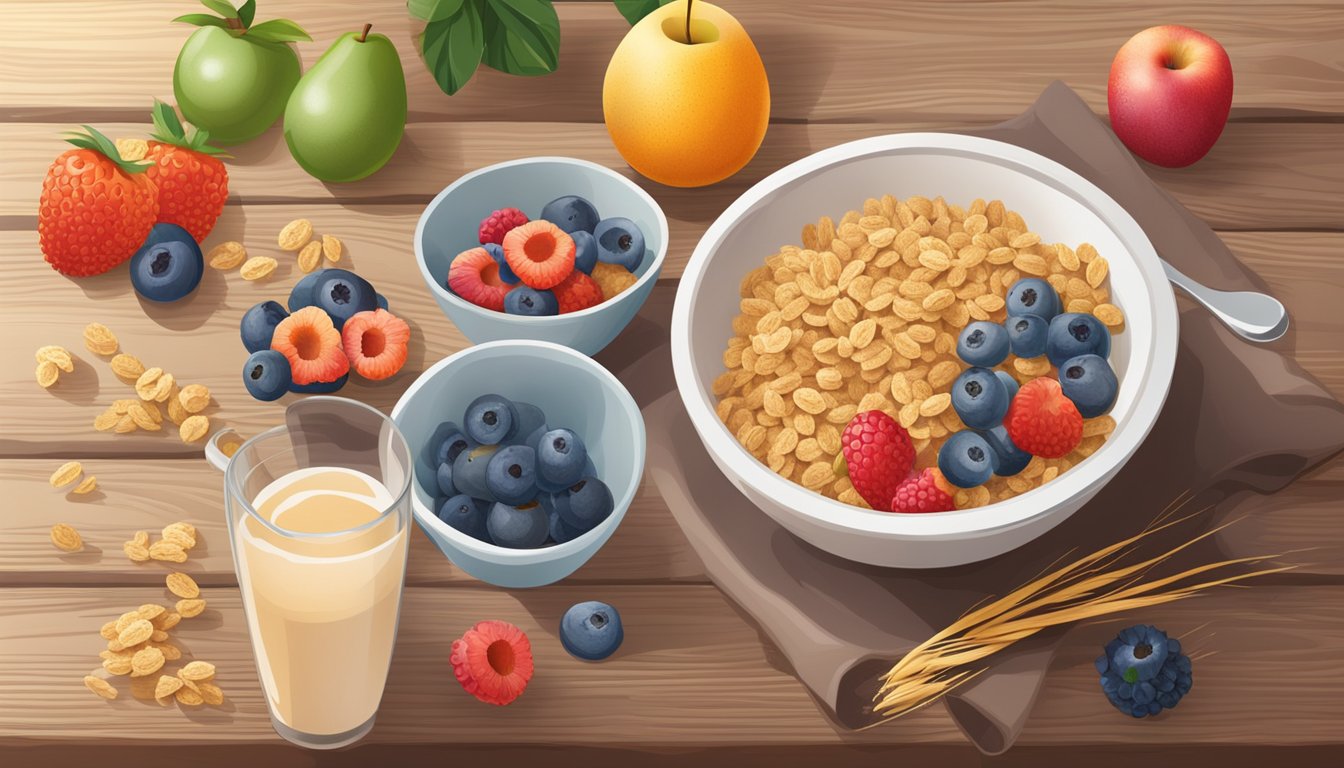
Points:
(450, 222)
(575, 392)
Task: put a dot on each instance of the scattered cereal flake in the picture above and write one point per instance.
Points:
(332, 248)
(180, 534)
(99, 339)
(165, 688)
(132, 150)
(227, 255)
(211, 693)
(197, 671)
(88, 485)
(188, 697)
(182, 585)
(167, 551)
(100, 687)
(136, 632)
(58, 355)
(163, 388)
(127, 366)
(295, 235)
(170, 652)
(176, 412)
(124, 425)
(146, 661)
(66, 538)
(106, 420)
(136, 553)
(147, 383)
(194, 397)
(310, 256)
(194, 428)
(185, 526)
(168, 620)
(258, 267)
(109, 631)
(190, 608)
(118, 665)
(150, 611)
(47, 374)
(140, 415)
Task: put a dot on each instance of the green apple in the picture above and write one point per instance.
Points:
(231, 78)
(346, 116)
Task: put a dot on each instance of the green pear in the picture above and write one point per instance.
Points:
(346, 116)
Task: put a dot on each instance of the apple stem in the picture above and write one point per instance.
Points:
(364, 35)
(689, 3)
(235, 24)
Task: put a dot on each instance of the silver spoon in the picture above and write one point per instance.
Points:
(1252, 316)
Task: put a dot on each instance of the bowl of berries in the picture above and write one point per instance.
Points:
(948, 368)
(545, 248)
(527, 456)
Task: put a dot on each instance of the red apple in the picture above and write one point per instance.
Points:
(1169, 94)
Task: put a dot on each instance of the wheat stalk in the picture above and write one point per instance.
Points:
(1089, 587)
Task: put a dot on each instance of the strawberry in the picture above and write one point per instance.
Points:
(193, 183)
(1042, 421)
(878, 454)
(96, 208)
(926, 491)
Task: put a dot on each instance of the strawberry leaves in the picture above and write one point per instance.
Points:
(92, 139)
(517, 37)
(169, 130)
(238, 22)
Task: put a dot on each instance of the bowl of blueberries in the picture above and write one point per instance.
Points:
(527, 456)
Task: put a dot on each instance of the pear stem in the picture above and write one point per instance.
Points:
(689, 3)
(364, 34)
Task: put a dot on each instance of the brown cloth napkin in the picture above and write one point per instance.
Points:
(1238, 417)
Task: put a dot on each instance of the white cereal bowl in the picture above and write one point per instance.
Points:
(576, 393)
(449, 223)
(1056, 202)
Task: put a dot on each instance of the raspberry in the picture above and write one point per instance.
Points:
(495, 226)
(493, 662)
(540, 254)
(878, 454)
(1042, 421)
(613, 278)
(376, 343)
(925, 491)
(311, 343)
(576, 292)
(474, 276)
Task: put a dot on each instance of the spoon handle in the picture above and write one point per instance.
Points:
(1252, 316)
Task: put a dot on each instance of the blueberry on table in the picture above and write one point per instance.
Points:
(469, 472)
(443, 479)
(381, 300)
(1008, 458)
(342, 294)
(1033, 296)
(531, 302)
(258, 325)
(511, 474)
(980, 398)
(585, 504)
(320, 387)
(620, 242)
(983, 343)
(561, 457)
(1026, 335)
(524, 527)
(591, 631)
(304, 292)
(966, 460)
(1090, 383)
(571, 213)
(463, 513)
(168, 266)
(266, 375)
(585, 251)
(1143, 671)
(1072, 334)
(490, 419)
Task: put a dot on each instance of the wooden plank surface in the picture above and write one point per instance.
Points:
(1258, 176)
(709, 679)
(821, 57)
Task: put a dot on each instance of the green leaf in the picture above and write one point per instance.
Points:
(522, 37)
(278, 31)
(453, 47)
(167, 128)
(247, 11)
(201, 20)
(1132, 675)
(435, 10)
(222, 7)
(92, 139)
(634, 10)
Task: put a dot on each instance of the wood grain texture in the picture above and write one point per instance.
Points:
(1258, 175)
(689, 666)
(826, 61)
(148, 495)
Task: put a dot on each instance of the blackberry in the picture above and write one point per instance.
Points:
(1143, 671)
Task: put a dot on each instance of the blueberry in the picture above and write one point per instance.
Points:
(589, 470)
(506, 272)
(591, 631)
(620, 242)
(966, 460)
(1008, 458)
(1033, 296)
(443, 478)
(342, 294)
(979, 398)
(490, 419)
(1009, 383)
(168, 266)
(382, 301)
(560, 530)
(304, 292)
(511, 474)
(469, 472)
(258, 325)
(525, 527)
(585, 251)
(585, 504)
(561, 457)
(1072, 334)
(266, 375)
(531, 302)
(453, 443)
(571, 214)
(461, 512)
(320, 387)
(1090, 383)
(983, 343)
(1143, 671)
(1026, 335)
(531, 423)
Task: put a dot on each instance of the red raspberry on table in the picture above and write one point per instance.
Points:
(878, 454)
(576, 292)
(495, 226)
(493, 661)
(1042, 421)
(925, 491)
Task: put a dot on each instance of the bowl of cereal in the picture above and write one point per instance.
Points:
(968, 295)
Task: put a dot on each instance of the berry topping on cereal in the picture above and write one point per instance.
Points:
(1042, 421)
(924, 491)
(878, 454)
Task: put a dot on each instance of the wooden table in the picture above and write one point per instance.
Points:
(694, 681)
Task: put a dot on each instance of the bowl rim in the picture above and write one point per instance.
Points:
(1052, 498)
(444, 295)
(436, 528)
